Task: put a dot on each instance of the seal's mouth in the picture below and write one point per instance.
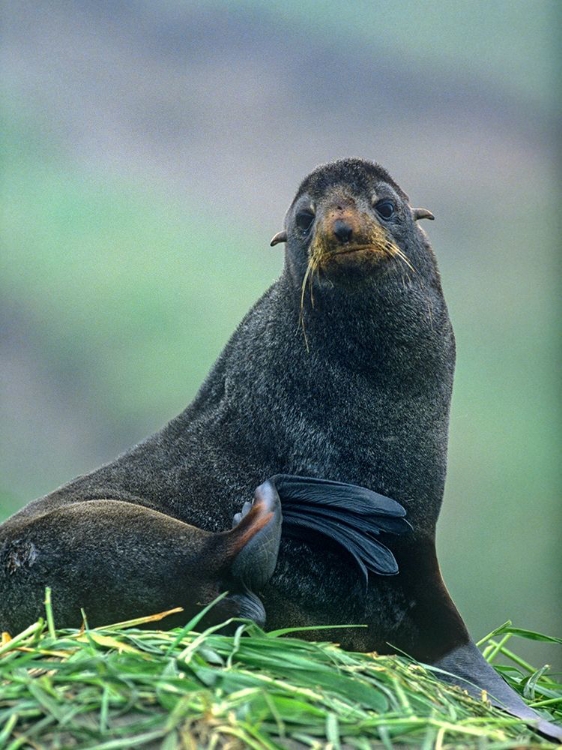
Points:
(364, 250)
(368, 249)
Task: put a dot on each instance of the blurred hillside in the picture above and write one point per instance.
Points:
(149, 152)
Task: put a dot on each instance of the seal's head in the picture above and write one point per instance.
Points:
(350, 220)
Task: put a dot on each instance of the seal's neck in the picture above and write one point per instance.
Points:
(373, 373)
(397, 325)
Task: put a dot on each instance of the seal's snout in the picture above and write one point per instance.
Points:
(342, 231)
(346, 235)
(342, 224)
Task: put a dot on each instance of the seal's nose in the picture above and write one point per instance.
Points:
(342, 230)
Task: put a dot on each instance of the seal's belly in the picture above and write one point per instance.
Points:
(316, 586)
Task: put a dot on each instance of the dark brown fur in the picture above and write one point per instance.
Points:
(342, 370)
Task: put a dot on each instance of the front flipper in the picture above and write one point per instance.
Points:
(351, 516)
(466, 667)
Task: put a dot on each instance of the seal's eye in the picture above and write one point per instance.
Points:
(304, 219)
(385, 208)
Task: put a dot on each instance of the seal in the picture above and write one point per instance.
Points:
(341, 372)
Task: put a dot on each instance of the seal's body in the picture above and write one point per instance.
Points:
(348, 378)
(343, 370)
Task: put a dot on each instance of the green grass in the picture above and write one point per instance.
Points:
(122, 687)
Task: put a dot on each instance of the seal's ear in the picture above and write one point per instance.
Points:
(422, 213)
(279, 237)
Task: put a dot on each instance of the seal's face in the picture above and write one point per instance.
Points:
(344, 232)
(350, 219)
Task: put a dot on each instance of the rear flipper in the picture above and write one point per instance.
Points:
(467, 668)
(253, 546)
(256, 534)
(353, 517)
(117, 561)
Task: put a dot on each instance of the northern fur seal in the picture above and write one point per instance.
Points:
(343, 370)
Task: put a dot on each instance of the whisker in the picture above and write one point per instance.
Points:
(395, 251)
(311, 268)
(303, 287)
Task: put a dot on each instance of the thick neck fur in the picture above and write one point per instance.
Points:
(355, 388)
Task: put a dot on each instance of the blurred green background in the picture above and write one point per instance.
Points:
(149, 152)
